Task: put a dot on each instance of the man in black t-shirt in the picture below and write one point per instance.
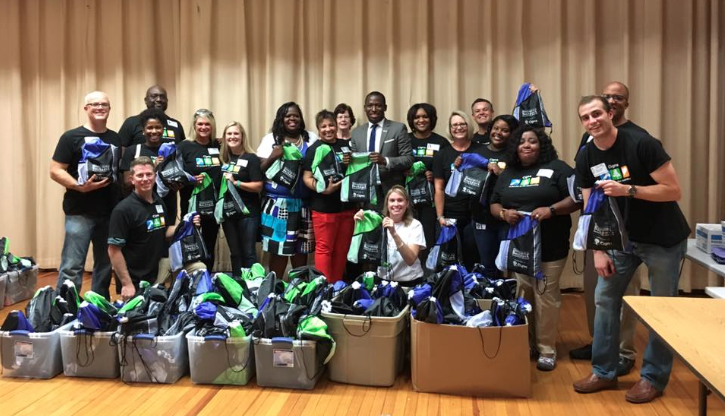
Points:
(636, 169)
(138, 230)
(617, 95)
(131, 131)
(88, 206)
(482, 113)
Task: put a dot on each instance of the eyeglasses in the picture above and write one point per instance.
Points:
(614, 97)
(459, 126)
(203, 112)
(99, 105)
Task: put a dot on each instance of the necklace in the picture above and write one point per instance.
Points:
(296, 142)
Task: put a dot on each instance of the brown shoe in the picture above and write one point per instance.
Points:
(593, 383)
(642, 392)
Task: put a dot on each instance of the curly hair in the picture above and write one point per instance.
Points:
(278, 130)
(430, 111)
(547, 151)
(151, 114)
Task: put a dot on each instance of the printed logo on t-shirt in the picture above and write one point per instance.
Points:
(156, 222)
(614, 172)
(207, 161)
(526, 181)
(422, 151)
(231, 167)
(169, 134)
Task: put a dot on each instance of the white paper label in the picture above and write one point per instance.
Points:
(213, 151)
(599, 170)
(283, 358)
(23, 349)
(160, 209)
(433, 146)
(545, 172)
(172, 123)
(242, 162)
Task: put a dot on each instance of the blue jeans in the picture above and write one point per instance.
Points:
(241, 235)
(663, 265)
(488, 240)
(80, 231)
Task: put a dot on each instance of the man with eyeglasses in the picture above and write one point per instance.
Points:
(617, 95)
(131, 131)
(87, 207)
(387, 141)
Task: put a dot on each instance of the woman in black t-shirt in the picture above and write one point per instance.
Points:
(200, 152)
(241, 168)
(458, 208)
(332, 219)
(422, 119)
(535, 181)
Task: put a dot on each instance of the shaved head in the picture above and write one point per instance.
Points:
(95, 95)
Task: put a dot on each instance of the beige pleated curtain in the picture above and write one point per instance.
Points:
(242, 59)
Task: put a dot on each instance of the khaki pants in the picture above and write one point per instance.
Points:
(166, 275)
(546, 305)
(628, 322)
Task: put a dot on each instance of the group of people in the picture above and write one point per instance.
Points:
(311, 216)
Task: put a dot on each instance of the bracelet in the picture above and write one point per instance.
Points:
(238, 184)
(400, 245)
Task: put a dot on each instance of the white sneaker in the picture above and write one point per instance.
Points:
(546, 363)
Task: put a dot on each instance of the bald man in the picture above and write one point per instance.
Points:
(617, 95)
(131, 131)
(87, 207)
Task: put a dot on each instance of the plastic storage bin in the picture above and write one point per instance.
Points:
(31, 354)
(20, 285)
(287, 363)
(3, 282)
(219, 360)
(148, 359)
(370, 350)
(88, 354)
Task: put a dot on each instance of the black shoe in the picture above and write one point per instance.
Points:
(581, 353)
(624, 366)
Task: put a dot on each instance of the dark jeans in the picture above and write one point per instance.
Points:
(469, 251)
(488, 240)
(241, 235)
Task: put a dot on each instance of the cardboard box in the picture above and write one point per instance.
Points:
(708, 236)
(464, 361)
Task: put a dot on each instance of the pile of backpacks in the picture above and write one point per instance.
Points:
(18, 276)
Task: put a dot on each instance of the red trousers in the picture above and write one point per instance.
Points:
(333, 233)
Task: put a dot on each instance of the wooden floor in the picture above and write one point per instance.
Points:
(552, 392)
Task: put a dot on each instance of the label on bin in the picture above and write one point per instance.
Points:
(283, 358)
(23, 349)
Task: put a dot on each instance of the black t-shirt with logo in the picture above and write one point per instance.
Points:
(139, 228)
(131, 131)
(68, 151)
(628, 126)
(482, 213)
(199, 158)
(458, 207)
(630, 161)
(425, 149)
(327, 203)
(531, 187)
(246, 168)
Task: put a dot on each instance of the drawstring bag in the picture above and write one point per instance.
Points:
(203, 197)
(520, 252)
(285, 171)
(600, 226)
(325, 167)
(187, 245)
(230, 203)
(417, 185)
(170, 172)
(471, 177)
(447, 251)
(529, 108)
(361, 180)
(367, 239)
(98, 158)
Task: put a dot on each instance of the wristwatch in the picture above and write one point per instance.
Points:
(632, 191)
(553, 210)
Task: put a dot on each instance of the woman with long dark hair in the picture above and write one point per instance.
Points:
(535, 181)
(286, 219)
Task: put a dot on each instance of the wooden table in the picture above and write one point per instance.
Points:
(694, 329)
(705, 260)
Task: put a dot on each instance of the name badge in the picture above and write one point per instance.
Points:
(172, 123)
(599, 170)
(345, 149)
(213, 151)
(433, 146)
(545, 172)
(480, 226)
(160, 209)
(242, 162)
(89, 139)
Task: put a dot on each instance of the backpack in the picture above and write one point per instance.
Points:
(601, 226)
(325, 167)
(529, 108)
(285, 171)
(520, 252)
(361, 180)
(171, 170)
(204, 197)
(417, 185)
(98, 158)
(367, 239)
(471, 177)
(187, 245)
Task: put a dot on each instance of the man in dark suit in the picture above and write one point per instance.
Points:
(387, 141)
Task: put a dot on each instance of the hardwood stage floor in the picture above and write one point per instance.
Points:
(552, 391)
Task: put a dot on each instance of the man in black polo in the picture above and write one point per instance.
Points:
(131, 131)
(138, 234)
